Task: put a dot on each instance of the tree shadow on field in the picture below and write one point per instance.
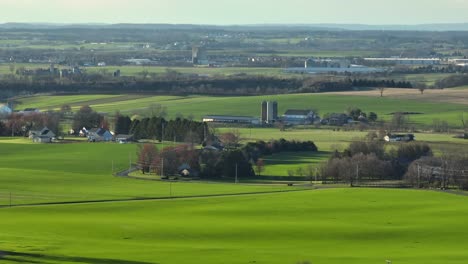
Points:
(43, 259)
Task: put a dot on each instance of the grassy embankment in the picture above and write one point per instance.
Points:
(358, 226)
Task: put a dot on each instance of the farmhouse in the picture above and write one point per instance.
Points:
(5, 110)
(336, 119)
(42, 136)
(30, 111)
(401, 137)
(99, 134)
(296, 117)
(231, 119)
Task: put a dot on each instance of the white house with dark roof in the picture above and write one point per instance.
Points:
(42, 136)
(5, 110)
(99, 134)
(30, 111)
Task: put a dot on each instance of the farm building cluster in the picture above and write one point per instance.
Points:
(291, 117)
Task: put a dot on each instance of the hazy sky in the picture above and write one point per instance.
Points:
(235, 11)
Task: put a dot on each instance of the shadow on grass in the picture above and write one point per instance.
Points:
(42, 259)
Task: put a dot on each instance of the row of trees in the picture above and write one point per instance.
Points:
(368, 160)
(180, 130)
(381, 83)
(214, 164)
(357, 114)
(254, 150)
(452, 81)
(445, 171)
(205, 163)
(19, 125)
(176, 83)
(430, 69)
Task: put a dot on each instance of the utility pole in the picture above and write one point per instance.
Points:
(236, 174)
(419, 176)
(162, 166)
(357, 174)
(162, 134)
(204, 132)
(316, 173)
(129, 161)
(162, 150)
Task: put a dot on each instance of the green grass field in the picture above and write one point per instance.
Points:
(198, 106)
(38, 173)
(327, 226)
(334, 226)
(281, 163)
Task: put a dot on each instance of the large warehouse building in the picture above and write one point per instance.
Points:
(231, 119)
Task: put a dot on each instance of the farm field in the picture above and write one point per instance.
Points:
(37, 173)
(453, 96)
(329, 226)
(280, 164)
(135, 70)
(329, 140)
(198, 106)
(427, 78)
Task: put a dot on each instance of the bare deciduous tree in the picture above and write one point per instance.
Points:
(382, 90)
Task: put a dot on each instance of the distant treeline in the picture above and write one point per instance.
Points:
(231, 85)
(254, 150)
(381, 83)
(452, 81)
(431, 69)
(369, 160)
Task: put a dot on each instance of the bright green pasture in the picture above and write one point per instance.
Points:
(37, 173)
(329, 140)
(198, 106)
(333, 226)
(279, 164)
(324, 139)
(55, 102)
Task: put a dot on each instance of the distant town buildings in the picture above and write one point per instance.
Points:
(51, 71)
(406, 61)
(320, 65)
(327, 63)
